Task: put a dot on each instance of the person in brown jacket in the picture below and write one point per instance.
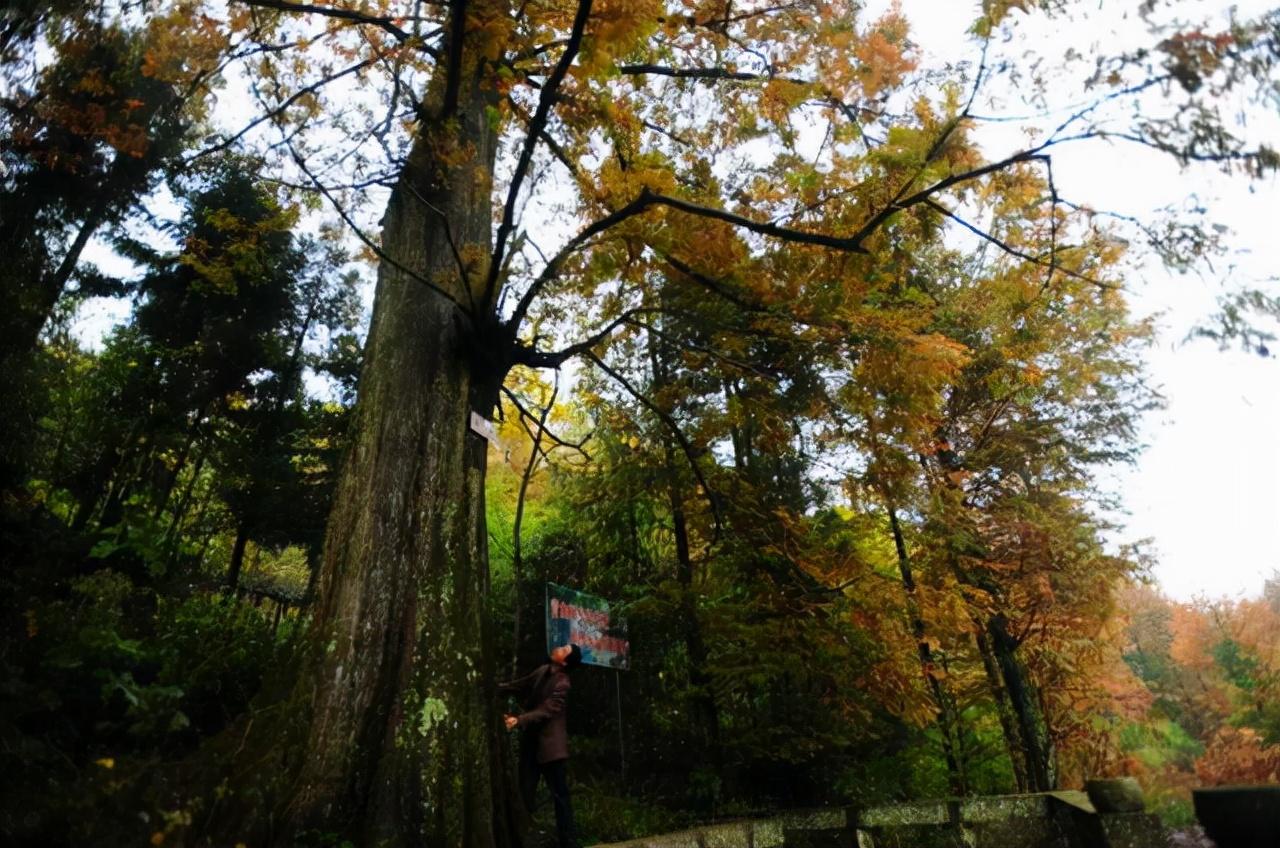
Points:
(544, 741)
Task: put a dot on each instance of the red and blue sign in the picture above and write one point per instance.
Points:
(586, 621)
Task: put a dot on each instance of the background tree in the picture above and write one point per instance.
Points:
(84, 138)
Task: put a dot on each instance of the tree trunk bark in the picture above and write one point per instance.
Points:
(237, 559)
(1008, 723)
(403, 744)
(1031, 726)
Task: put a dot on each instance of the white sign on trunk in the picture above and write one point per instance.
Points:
(482, 426)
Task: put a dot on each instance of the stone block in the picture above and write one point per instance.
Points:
(730, 835)
(907, 813)
(1115, 795)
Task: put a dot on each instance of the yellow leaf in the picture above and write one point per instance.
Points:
(106, 762)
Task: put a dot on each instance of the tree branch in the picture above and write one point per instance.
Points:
(332, 12)
(705, 73)
(746, 367)
(670, 423)
(711, 285)
(853, 243)
(378, 251)
(453, 66)
(279, 110)
(526, 355)
(552, 268)
(1013, 251)
(553, 145)
(536, 127)
(519, 519)
(526, 415)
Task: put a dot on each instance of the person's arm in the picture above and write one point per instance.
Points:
(551, 706)
(520, 684)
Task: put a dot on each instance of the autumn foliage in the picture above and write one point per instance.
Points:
(815, 387)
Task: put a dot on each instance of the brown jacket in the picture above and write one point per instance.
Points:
(546, 693)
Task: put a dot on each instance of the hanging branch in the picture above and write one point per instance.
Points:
(685, 445)
(515, 532)
(526, 415)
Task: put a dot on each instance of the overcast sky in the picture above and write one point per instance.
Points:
(1207, 489)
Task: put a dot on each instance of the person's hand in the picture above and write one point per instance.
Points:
(511, 721)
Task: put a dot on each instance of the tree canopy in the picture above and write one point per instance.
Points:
(785, 359)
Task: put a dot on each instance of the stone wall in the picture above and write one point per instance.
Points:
(1047, 820)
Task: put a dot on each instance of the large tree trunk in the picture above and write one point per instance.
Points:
(403, 745)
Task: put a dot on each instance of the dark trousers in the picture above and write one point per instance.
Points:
(554, 773)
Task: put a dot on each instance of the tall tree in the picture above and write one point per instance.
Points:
(656, 116)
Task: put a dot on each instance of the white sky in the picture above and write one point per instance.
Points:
(1207, 490)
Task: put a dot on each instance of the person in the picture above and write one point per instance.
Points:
(544, 741)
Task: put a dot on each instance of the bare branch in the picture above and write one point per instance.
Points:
(642, 203)
(552, 268)
(746, 367)
(531, 52)
(279, 110)
(713, 286)
(387, 180)
(526, 355)
(711, 73)
(977, 80)
(332, 12)
(519, 519)
(368, 242)
(554, 146)
(899, 205)
(1013, 251)
(650, 125)
(853, 244)
(463, 274)
(536, 126)
(526, 415)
